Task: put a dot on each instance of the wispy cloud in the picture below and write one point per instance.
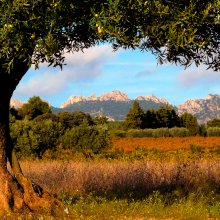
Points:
(145, 73)
(199, 77)
(81, 67)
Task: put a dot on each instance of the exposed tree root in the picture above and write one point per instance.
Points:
(18, 193)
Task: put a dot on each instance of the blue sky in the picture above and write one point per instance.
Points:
(99, 70)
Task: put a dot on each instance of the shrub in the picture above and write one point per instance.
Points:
(135, 133)
(117, 133)
(161, 132)
(84, 138)
(213, 131)
(179, 132)
(140, 132)
(148, 132)
(32, 138)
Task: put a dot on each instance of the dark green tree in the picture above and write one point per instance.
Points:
(167, 117)
(202, 130)
(150, 119)
(47, 116)
(73, 119)
(215, 122)
(162, 117)
(188, 121)
(174, 119)
(33, 108)
(100, 120)
(36, 31)
(135, 117)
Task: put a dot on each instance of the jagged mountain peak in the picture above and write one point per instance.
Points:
(212, 96)
(152, 98)
(203, 109)
(115, 96)
(110, 96)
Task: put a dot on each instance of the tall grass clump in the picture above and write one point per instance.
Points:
(126, 179)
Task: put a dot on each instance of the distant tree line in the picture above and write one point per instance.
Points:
(163, 117)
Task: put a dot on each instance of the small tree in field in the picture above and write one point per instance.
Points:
(188, 121)
(135, 117)
(36, 31)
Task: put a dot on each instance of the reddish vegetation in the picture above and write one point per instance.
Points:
(170, 143)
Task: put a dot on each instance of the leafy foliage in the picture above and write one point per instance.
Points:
(213, 131)
(33, 108)
(33, 138)
(188, 121)
(83, 138)
(167, 117)
(135, 117)
(73, 119)
(182, 32)
(202, 130)
(215, 122)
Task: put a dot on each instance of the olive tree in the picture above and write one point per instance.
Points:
(36, 31)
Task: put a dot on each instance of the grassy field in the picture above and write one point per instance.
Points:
(136, 183)
(148, 189)
(166, 143)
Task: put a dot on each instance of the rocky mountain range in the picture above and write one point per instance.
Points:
(116, 104)
(202, 109)
(111, 96)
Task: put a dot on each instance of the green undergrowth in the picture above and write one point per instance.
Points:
(155, 206)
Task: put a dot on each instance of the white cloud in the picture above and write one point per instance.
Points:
(81, 67)
(145, 73)
(199, 77)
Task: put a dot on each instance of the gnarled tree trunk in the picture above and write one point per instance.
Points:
(16, 191)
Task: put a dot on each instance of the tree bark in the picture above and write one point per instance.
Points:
(16, 191)
(9, 193)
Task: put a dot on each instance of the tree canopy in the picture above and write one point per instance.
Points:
(188, 121)
(182, 32)
(135, 116)
(34, 107)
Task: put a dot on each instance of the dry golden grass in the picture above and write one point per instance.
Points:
(122, 178)
(165, 144)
